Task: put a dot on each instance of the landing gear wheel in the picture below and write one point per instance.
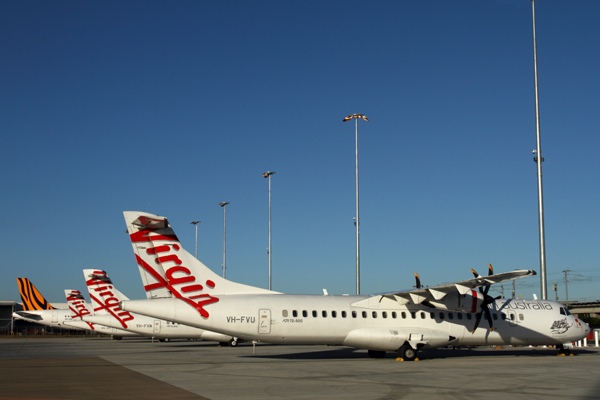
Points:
(376, 354)
(233, 342)
(117, 337)
(562, 351)
(407, 353)
(167, 339)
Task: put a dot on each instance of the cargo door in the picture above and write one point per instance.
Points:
(156, 326)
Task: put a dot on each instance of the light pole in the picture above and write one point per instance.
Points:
(356, 221)
(268, 175)
(224, 205)
(539, 159)
(196, 223)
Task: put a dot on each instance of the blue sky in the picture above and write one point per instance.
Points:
(174, 107)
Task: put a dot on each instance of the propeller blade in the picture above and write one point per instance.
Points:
(418, 286)
(489, 316)
(491, 270)
(477, 321)
(475, 273)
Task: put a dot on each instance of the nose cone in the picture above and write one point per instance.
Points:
(586, 328)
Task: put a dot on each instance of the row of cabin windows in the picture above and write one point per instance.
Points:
(394, 315)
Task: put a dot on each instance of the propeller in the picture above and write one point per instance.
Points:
(486, 301)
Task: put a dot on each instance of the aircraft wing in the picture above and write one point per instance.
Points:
(435, 293)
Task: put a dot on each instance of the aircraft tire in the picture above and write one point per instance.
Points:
(167, 339)
(376, 353)
(407, 352)
(233, 342)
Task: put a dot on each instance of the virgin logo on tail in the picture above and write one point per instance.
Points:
(103, 296)
(176, 274)
(78, 307)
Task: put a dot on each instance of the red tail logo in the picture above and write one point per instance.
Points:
(177, 274)
(106, 299)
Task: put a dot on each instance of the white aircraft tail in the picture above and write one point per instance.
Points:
(79, 308)
(105, 297)
(166, 265)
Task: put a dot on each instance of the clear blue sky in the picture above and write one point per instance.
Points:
(174, 107)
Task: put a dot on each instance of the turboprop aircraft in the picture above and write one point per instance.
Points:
(38, 310)
(404, 321)
(105, 300)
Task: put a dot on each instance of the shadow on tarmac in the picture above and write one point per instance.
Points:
(349, 353)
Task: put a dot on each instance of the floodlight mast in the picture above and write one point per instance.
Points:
(539, 159)
(356, 220)
(224, 205)
(196, 223)
(268, 175)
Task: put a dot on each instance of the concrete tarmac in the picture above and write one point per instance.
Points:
(100, 368)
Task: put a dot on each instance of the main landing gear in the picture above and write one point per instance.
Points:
(407, 353)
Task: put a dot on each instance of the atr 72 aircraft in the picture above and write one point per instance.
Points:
(405, 322)
(105, 299)
(39, 311)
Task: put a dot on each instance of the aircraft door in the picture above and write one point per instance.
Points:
(156, 326)
(511, 317)
(264, 321)
(54, 316)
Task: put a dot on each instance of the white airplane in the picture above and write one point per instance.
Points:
(105, 300)
(406, 321)
(80, 309)
(38, 310)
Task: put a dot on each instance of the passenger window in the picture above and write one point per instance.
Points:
(459, 316)
(394, 315)
(284, 313)
(324, 313)
(304, 313)
(353, 314)
(294, 313)
(503, 317)
(343, 314)
(384, 314)
(450, 315)
(422, 315)
(334, 314)
(374, 314)
(469, 316)
(364, 314)
(432, 315)
(314, 313)
(495, 316)
(413, 315)
(441, 315)
(403, 315)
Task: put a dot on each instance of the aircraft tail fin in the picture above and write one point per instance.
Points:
(105, 297)
(32, 299)
(167, 266)
(79, 308)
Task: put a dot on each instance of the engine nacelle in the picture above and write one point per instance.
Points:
(470, 302)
